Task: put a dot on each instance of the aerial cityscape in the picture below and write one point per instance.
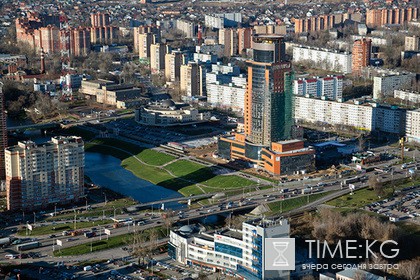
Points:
(204, 139)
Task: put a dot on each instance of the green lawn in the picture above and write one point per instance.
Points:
(58, 228)
(151, 174)
(293, 203)
(359, 198)
(98, 245)
(186, 167)
(228, 182)
(154, 158)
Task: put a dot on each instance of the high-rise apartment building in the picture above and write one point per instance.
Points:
(80, 41)
(412, 43)
(268, 114)
(41, 175)
(3, 131)
(145, 41)
(244, 38)
(157, 56)
(103, 34)
(173, 62)
(145, 29)
(229, 38)
(361, 55)
(99, 19)
(191, 79)
(380, 17)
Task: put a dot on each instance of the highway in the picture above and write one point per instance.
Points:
(226, 205)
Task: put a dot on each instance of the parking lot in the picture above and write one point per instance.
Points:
(404, 205)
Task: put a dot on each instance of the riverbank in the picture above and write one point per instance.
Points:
(170, 172)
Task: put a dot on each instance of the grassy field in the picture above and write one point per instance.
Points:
(119, 204)
(154, 158)
(359, 198)
(187, 173)
(293, 203)
(98, 245)
(58, 228)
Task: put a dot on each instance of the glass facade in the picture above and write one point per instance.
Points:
(257, 254)
(171, 251)
(223, 148)
(263, 56)
(228, 249)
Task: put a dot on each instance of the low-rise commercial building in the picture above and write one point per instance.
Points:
(107, 92)
(168, 113)
(240, 252)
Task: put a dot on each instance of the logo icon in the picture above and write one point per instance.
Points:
(279, 254)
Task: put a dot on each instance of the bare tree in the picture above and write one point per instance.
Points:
(376, 185)
(410, 269)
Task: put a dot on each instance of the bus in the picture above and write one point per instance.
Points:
(28, 246)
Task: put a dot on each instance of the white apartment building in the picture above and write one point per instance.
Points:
(173, 62)
(205, 57)
(192, 77)
(410, 96)
(157, 57)
(363, 116)
(412, 126)
(186, 27)
(216, 49)
(238, 251)
(218, 21)
(226, 87)
(331, 87)
(326, 59)
(384, 83)
(227, 96)
(41, 175)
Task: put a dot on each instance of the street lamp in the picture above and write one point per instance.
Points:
(55, 209)
(34, 217)
(114, 212)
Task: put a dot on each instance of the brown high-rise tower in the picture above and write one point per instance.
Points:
(3, 136)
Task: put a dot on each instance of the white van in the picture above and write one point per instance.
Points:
(87, 268)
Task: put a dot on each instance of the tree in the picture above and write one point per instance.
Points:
(361, 143)
(138, 241)
(409, 269)
(376, 185)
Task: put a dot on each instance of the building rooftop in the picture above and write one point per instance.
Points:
(359, 274)
(266, 223)
(231, 233)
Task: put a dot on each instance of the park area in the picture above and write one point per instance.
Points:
(168, 171)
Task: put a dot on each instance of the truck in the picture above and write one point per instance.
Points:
(28, 246)
(284, 190)
(306, 191)
(90, 234)
(5, 241)
(348, 181)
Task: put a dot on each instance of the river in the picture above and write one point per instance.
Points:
(106, 171)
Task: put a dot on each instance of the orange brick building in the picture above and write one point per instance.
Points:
(361, 55)
(380, 17)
